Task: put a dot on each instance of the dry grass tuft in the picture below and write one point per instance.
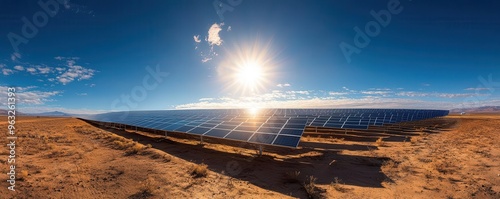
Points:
(134, 149)
(414, 140)
(336, 184)
(147, 186)
(145, 191)
(200, 170)
(380, 142)
(443, 167)
(311, 189)
(165, 157)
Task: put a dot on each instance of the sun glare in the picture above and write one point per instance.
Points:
(253, 111)
(250, 75)
(248, 69)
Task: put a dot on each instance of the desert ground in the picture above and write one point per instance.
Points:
(451, 157)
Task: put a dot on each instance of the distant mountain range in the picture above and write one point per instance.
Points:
(53, 114)
(483, 109)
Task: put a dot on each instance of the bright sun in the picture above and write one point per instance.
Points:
(249, 75)
(248, 69)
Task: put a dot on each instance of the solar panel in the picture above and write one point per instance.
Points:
(277, 127)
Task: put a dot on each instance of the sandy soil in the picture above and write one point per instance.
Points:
(453, 157)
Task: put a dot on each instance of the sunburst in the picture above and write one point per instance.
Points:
(248, 69)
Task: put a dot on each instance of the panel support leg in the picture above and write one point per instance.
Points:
(166, 134)
(260, 150)
(201, 139)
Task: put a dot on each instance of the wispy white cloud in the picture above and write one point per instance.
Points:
(298, 92)
(283, 85)
(28, 96)
(19, 68)
(6, 71)
(75, 72)
(31, 70)
(376, 92)
(70, 62)
(60, 70)
(317, 103)
(426, 84)
(65, 73)
(213, 34)
(477, 89)
(197, 38)
(380, 89)
(435, 94)
(337, 93)
(44, 70)
(60, 58)
(206, 59)
(346, 99)
(206, 99)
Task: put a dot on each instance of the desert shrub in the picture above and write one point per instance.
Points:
(380, 142)
(336, 184)
(199, 170)
(311, 189)
(414, 140)
(134, 149)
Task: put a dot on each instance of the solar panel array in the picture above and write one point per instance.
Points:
(278, 127)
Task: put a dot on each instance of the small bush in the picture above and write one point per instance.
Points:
(134, 149)
(200, 170)
(119, 144)
(147, 186)
(336, 184)
(311, 189)
(380, 142)
(414, 140)
(167, 158)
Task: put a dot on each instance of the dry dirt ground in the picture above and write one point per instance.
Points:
(452, 157)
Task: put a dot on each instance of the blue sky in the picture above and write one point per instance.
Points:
(94, 56)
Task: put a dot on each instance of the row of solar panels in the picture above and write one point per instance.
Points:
(281, 127)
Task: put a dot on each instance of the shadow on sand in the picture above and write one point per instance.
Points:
(321, 160)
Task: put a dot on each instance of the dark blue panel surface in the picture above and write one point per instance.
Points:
(239, 135)
(217, 133)
(285, 140)
(262, 138)
(267, 121)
